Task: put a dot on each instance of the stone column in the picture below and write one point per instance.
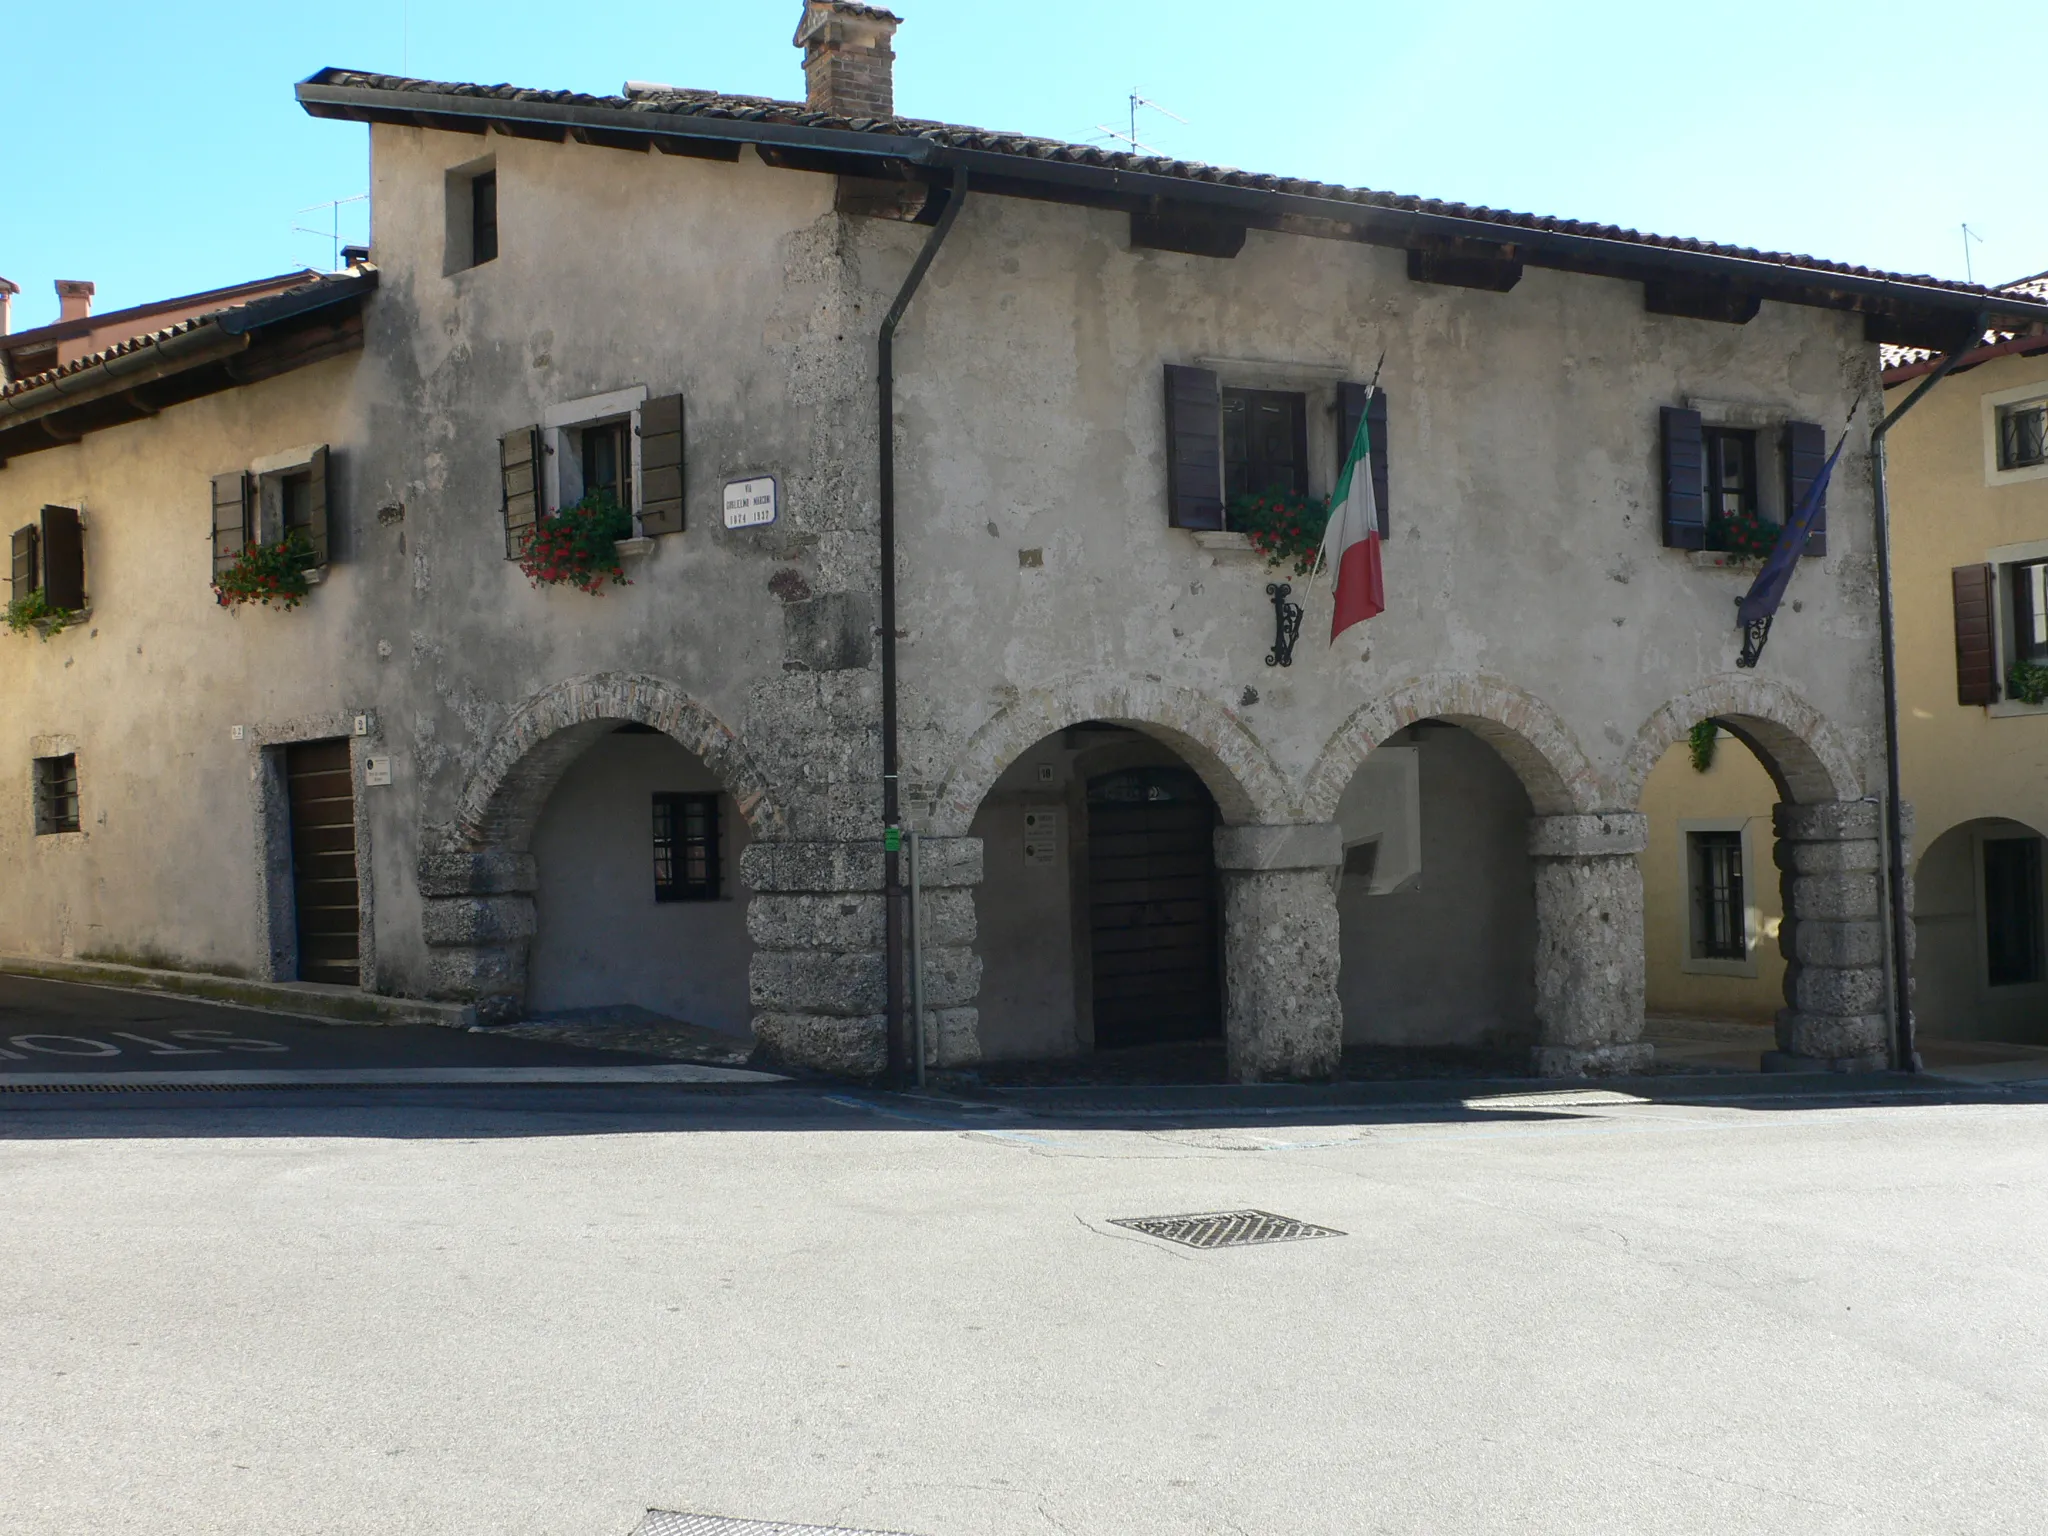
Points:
(818, 981)
(1281, 1017)
(1589, 944)
(1831, 860)
(477, 918)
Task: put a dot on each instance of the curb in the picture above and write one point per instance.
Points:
(303, 999)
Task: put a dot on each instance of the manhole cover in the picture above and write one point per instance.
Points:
(1225, 1229)
(669, 1522)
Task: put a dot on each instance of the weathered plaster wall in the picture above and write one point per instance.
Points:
(601, 938)
(1448, 960)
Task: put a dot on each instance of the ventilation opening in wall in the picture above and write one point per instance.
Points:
(472, 229)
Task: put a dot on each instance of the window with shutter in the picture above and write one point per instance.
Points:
(1806, 450)
(63, 558)
(1976, 656)
(231, 531)
(661, 465)
(1352, 407)
(1685, 502)
(1194, 448)
(519, 471)
(311, 512)
(24, 576)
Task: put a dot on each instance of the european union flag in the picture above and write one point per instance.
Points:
(1768, 590)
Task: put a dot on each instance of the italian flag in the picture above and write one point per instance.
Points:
(1351, 543)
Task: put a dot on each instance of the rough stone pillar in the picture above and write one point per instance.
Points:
(477, 918)
(818, 982)
(1589, 944)
(1831, 868)
(1281, 1017)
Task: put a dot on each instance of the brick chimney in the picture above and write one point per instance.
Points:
(74, 298)
(847, 58)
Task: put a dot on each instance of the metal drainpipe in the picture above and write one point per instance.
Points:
(899, 1068)
(1905, 1054)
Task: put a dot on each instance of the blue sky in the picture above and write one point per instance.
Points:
(156, 149)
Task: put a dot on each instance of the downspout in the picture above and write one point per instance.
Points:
(900, 1068)
(1905, 1054)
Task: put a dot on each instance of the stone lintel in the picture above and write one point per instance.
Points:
(1604, 834)
(1305, 845)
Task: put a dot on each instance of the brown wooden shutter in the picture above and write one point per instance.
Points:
(1685, 492)
(1806, 450)
(519, 469)
(1194, 448)
(24, 577)
(316, 506)
(63, 558)
(230, 519)
(1976, 658)
(661, 465)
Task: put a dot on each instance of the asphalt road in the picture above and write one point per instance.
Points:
(548, 1310)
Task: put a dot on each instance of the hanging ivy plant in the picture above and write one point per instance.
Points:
(268, 573)
(2027, 682)
(35, 613)
(1699, 742)
(578, 546)
(1282, 526)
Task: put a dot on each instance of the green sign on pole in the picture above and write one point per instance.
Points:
(892, 839)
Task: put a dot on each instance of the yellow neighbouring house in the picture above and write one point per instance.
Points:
(1968, 479)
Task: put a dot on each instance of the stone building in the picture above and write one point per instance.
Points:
(1017, 615)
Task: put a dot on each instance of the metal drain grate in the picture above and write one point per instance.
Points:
(1225, 1229)
(668, 1522)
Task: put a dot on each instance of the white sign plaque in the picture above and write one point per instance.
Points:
(750, 503)
(1041, 835)
(376, 770)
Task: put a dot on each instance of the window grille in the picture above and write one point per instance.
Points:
(2023, 435)
(686, 847)
(56, 794)
(1720, 918)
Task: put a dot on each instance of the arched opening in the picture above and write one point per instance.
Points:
(1436, 903)
(1713, 912)
(1098, 917)
(640, 918)
(1980, 918)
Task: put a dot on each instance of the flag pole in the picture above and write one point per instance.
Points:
(1371, 389)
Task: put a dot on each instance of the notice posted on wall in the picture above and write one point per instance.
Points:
(750, 503)
(1041, 835)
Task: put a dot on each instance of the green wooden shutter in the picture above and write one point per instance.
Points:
(1976, 658)
(24, 578)
(519, 470)
(1806, 450)
(230, 519)
(661, 465)
(63, 558)
(1194, 448)
(1685, 491)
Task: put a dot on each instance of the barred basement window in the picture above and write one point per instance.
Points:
(56, 794)
(2023, 434)
(1719, 918)
(686, 847)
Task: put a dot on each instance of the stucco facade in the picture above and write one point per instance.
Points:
(1531, 605)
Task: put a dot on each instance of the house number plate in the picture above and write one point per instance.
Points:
(750, 503)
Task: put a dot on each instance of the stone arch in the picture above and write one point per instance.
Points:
(1219, 746)
(502, 800)
(1525, 731)
(1804, 754)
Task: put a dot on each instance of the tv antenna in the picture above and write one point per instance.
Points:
(333, 232)
(1969, 234)
(1131, 138)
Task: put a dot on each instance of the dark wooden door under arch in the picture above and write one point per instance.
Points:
(1152, 908)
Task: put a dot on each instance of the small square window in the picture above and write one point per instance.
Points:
(2030, 611)
(686, 847)
(56, 794)
(483, 218)
(1720, 918)
(2023, 434)
(472, 215)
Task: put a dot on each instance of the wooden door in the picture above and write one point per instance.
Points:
(324, 861)
(1152, 907)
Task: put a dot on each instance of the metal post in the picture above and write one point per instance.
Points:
(917, 949)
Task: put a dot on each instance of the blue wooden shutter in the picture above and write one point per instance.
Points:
(1806, 450)
(1685, 496)
(1194, 448)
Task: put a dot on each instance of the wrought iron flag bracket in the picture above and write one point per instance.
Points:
(1286, 624)
(1754, 634)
